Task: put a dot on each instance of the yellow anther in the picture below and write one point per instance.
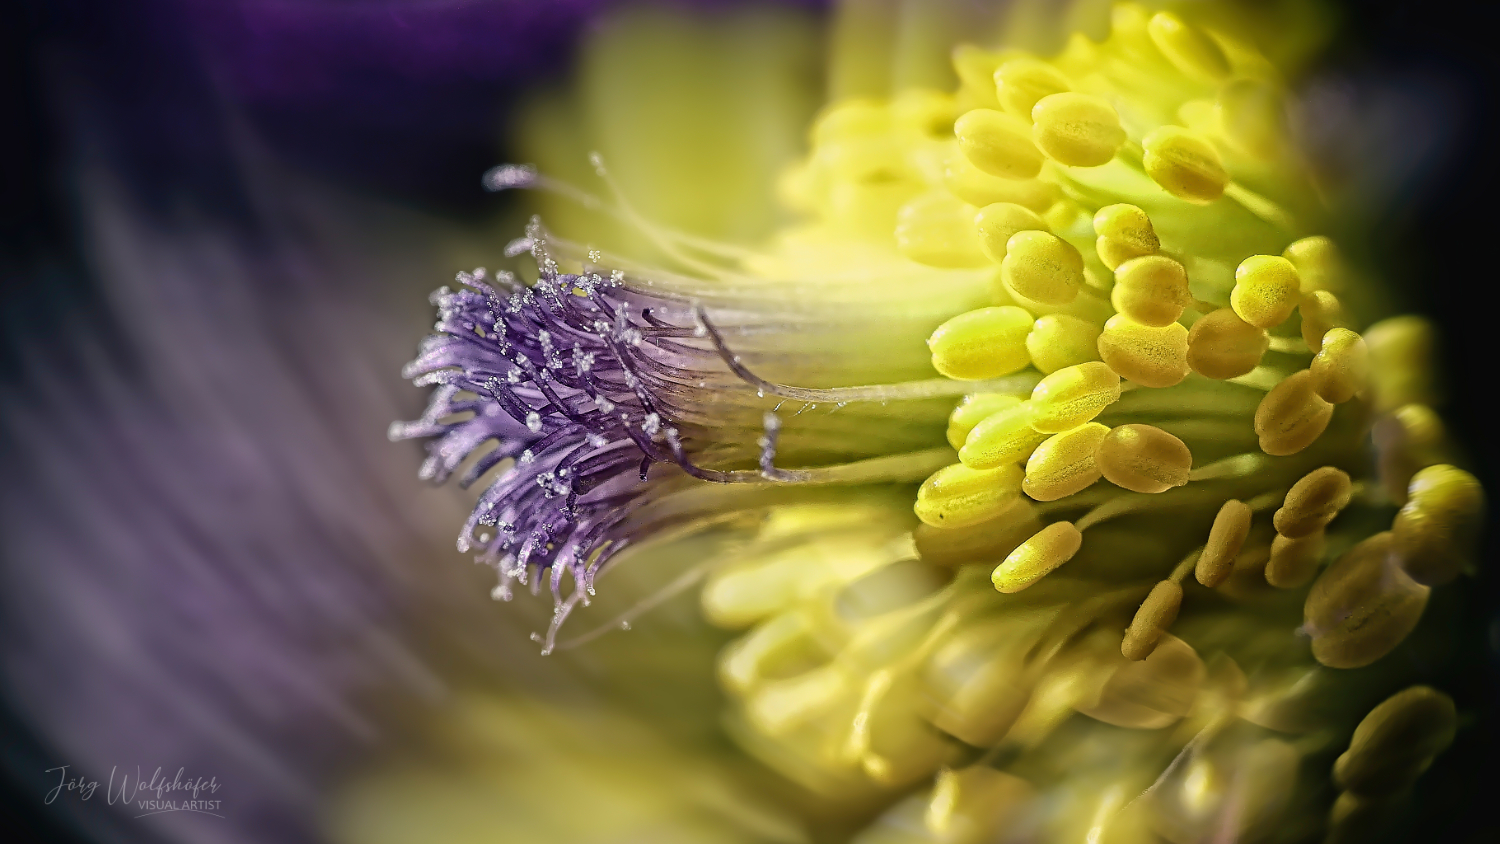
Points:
(1153, 618)
(984, 542)
(1184, 164)
(1294, 560)
(1342, 366)
(998, 143)
(1292, 416)
(1321, 313)
(956, 496)
(925, 111)
(1072, 396)
(1221, 345)
(1319, 263)
(1225, 539)
(1038, 556)
(1266, 290)
(979, 188)
(1020, 83)
(1401, 359)
(1151, 357)
(972, 410)
(1064, 464)
(998, 223)
(1124, 232)
(1396, 742)
(1002, 438)
(1059, 340)
(1313, 502)
(936, 230)
(1079, 130)
(1152, 290)
(983, 343)
(1438, 527)
(1250, 115)
(1144, 458)
(1042, 267)
(1362, 606)
(1189, 50)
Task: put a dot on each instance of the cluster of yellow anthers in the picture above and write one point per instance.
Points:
(1143, 224)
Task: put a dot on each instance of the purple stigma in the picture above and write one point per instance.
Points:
(584, 384)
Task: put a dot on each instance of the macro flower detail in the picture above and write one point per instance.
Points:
(582, 382)
(1128, 587)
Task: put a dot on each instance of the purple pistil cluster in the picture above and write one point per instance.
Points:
(582, 382)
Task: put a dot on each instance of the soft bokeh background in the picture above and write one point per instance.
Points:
(221, 218)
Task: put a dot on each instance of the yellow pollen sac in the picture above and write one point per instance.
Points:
(1151, 357)
(1401, 357)
(934, 230)
(1294, 561)
(998, 143)
(1225, 539)
(1266, 290)
(1152, 290)
(1064, 464)
(972, 410)
(1042, 267)
(1124, 232)
(1072, 396)
(1313, 502)
(1319, 263)
(1362, 606)
(1190, 51)
(1079, 130)
(1156, 614)
(1038, 556)
(979, 188)
(999, 222)
(1341, 367)
(1003, 438)
(1438, 527)
(1321, 313)
(1143, 458)
(1058, 341)
(1221, 345)
(1291, 417)
(957, 496)
(1396, 742)
(1184, 164)
(983, 343)
(1021, 83)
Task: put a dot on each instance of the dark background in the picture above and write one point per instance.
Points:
(423, 141)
